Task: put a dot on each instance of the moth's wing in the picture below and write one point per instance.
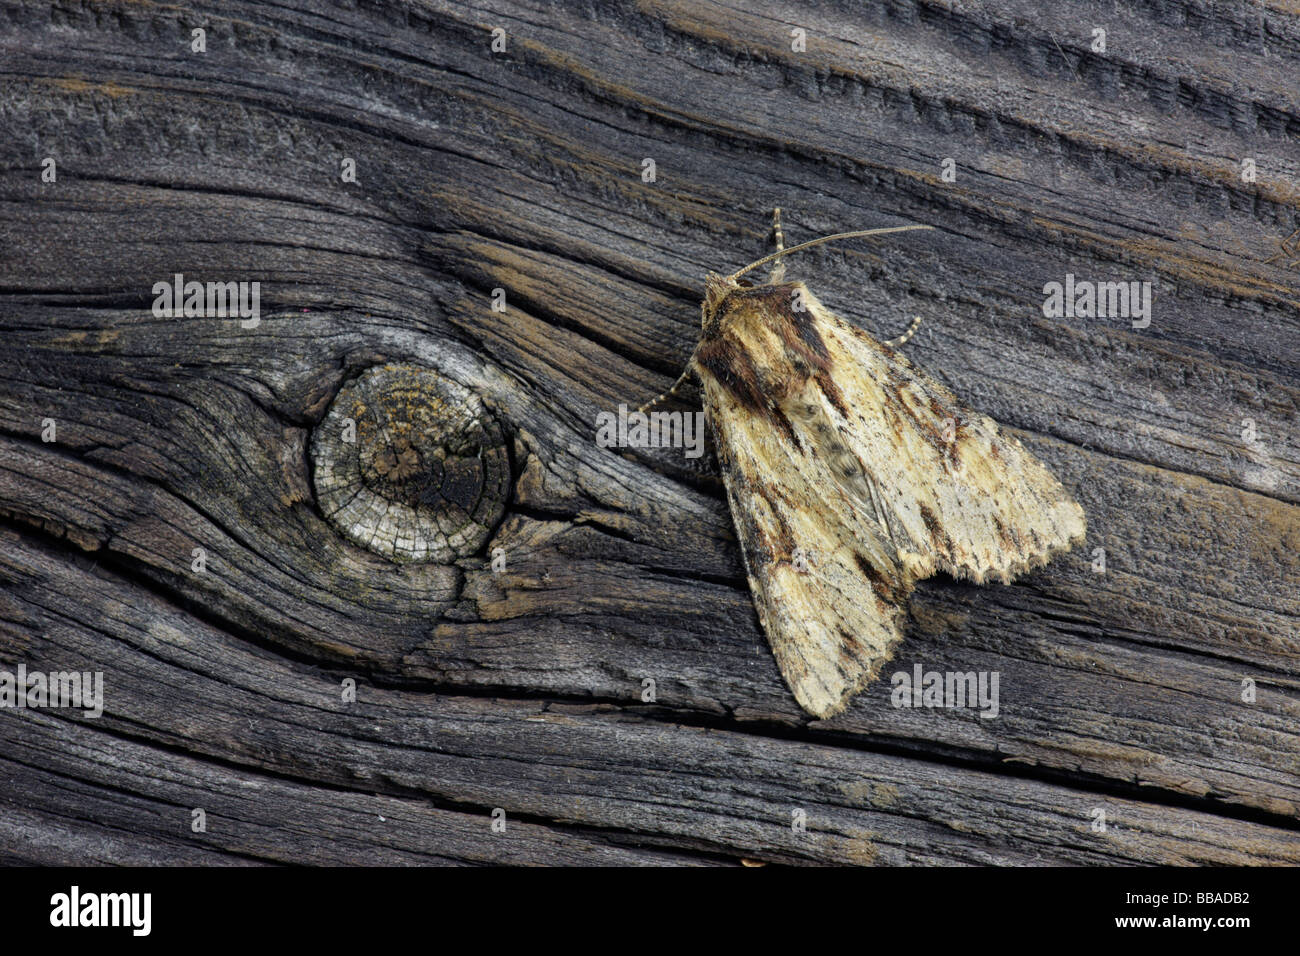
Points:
(956, 493)
(827, 586)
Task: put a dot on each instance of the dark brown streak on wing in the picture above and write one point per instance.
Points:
(890, 588)
(796, 328)
(897, 403)
(851, 651)
(798, 331)
(757, 545)
(782, 549)
(826, 382)
(938, 535)
(726, 359)
(1008, 536)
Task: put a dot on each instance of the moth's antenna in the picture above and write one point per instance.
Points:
(818, 242)
(686, 373)
(778, 271)
(902, 339)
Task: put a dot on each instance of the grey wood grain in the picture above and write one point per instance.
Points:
(521, 688)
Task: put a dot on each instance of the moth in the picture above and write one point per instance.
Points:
(851, 475)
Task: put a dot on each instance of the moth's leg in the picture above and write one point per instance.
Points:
(902, 339)
(686, 373)
(1283, 252)
(778, 267)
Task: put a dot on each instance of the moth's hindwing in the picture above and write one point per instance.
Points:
(850, 475)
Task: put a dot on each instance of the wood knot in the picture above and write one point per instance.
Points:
(411, 465)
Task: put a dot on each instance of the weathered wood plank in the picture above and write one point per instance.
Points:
(521, 171)
(95, 801)
(178, 684)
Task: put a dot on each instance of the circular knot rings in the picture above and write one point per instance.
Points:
(411, 465)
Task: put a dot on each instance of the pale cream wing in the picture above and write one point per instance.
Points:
(827, 586)
(951, 491)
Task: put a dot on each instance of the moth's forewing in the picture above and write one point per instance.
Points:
(960, 495)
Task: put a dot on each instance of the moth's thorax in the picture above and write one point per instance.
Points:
(760, 342)
(746, 308)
